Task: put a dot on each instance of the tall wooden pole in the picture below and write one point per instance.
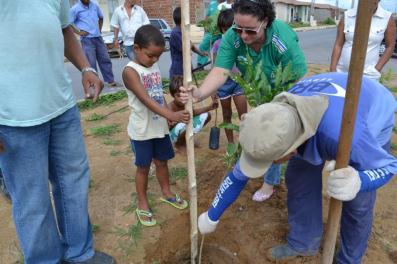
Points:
(360, 42)
(187, 80)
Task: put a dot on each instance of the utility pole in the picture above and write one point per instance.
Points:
(337, 10)
(311, 19)
(352, 4)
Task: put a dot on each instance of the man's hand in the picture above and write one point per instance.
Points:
(83, 33)
(185, 91)
(342, 184)
(92, 86)
(206, 225)
(116, 44)
(180, 116)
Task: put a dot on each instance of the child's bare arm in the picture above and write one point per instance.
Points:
(212, 106)
(133, 83)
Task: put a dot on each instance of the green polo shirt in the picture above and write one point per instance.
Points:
(281, 46)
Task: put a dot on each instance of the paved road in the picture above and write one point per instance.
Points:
(316, 44)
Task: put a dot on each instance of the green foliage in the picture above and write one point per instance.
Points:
(95, 228)
(210, 24)
(229, 126)
(107, 130)
(132, 233)
(112, 142)
(115, 153)
(233, 152)
(258, 90)
(328, 21)
(298, 24)
(386, 77)
(106, 99)
(200, 75)
(95, 117)
(177, 173)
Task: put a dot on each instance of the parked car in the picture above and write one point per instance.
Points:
(159, 23)
(162, 25)
(383, 44)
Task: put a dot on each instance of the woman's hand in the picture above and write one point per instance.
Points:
(185, 91)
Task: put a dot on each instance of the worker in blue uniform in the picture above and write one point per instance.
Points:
(303, 126)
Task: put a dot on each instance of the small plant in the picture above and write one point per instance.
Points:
(112, 142)
(95, 228)
(177, 173)
(106, 99)
(115, 153)
(95, 117)
(132, 233)
(328, 21)
(107, 130)
(210, 24)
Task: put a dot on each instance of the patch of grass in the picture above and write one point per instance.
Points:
(95, 228)
(393, 89)
(112, 142)
(129, 236)
(234, 116)
(177, 173)
(394, 146)
(95, 117)
(115, 153)
(106, 99)
(107, 130)
(298, 24)
(394, 130)
(328, 21)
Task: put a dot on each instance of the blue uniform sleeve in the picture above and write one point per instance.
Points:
(374, 179)
(227, 193)
(99, 11)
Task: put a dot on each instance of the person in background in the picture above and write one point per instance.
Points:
(303, 126)
(201, 116)
(205, 43)
(147, 126)
(176, 46)
(382, 27)
(42, 143)
(87, 18)
(128, 18)
(230, 89)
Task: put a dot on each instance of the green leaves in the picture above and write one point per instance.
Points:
(258, 90)
(256, 86)
(210, 24)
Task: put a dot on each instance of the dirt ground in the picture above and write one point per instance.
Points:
(244, 234)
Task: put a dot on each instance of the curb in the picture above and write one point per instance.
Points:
(313, 28)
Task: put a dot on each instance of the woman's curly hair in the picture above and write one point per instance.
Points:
(260, 9)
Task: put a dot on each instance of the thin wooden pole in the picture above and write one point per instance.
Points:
(360, 42)
(187, 80)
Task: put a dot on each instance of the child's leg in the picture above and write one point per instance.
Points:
(143, 150)
(163, 152)
(141, 182)
(227, 117)
(163, 177)
(241, 104)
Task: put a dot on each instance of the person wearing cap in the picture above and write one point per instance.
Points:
(303, 126)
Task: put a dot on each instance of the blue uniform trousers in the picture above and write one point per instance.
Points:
(304, 201)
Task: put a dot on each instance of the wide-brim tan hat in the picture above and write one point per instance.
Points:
(273, 130)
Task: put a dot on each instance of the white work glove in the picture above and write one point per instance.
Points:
(342, 184)
(205, 224)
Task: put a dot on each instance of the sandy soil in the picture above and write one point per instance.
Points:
(246, 230)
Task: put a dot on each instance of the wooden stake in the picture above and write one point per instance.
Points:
(360, 42)
(187, 80)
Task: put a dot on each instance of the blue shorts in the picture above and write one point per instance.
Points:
(155, 148)
(229, 89)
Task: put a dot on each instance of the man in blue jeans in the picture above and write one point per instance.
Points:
(88, 18)
(303, 126)
(40, 133)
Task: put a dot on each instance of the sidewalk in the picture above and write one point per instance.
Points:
(197, 33)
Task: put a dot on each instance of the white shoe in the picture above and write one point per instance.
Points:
(260, 195)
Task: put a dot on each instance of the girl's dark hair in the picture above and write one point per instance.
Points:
(176, 15)
(147, 35)
(175, 83)
(225, 19)
(258, 8)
